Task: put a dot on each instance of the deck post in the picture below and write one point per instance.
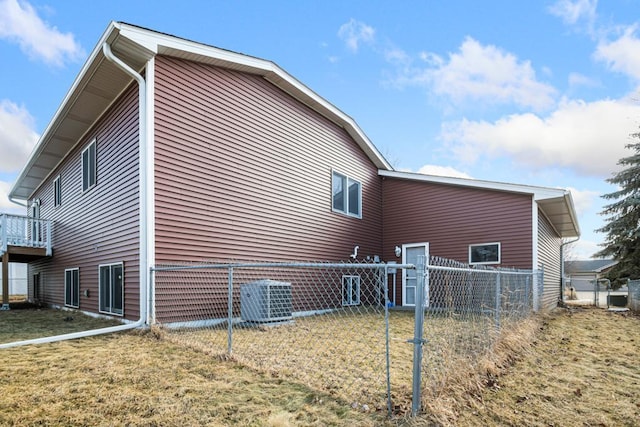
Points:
(5, 281)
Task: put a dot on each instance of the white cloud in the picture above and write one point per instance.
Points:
(442, 171)
(576, 11)
(481, 73)
(7, 206)
(395, 55)
(581, 250)
(583, 200)
(621, 55)
(587, 137)
(17, 137)
(20, 22)
(354, 33)
(577, 79)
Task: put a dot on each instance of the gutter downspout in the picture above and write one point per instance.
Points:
(144, 267)
(144, 278)
(562, 287)
(12, 200)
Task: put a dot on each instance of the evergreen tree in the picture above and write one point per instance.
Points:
(623, 223)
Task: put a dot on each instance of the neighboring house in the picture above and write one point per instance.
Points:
(166, 150)
(581, 274)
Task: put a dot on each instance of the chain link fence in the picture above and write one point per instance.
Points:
(324, 325)
(468, 309)
(332, 326)
(597, 293)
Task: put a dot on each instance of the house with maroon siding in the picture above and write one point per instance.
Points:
(166, 150)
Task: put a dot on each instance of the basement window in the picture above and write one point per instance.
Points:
(350, 290)
(72, 287)
(111, 293)
(484, 253)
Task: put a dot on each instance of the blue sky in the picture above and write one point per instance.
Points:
(538, 92)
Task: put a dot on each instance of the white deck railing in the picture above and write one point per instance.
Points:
(16, 230)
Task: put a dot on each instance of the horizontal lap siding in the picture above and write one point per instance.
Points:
(451, 218)
(101, 225)
(243, 172)
(549, 260)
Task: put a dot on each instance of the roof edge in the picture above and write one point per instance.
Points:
(269, 70)
(53, 123)
(155, 43)
(539, 193)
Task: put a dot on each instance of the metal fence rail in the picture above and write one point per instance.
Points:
(331, 326)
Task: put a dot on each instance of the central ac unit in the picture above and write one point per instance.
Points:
(265, 301)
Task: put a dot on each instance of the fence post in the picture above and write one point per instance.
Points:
(151, 300)
(385, 285)
(498, 301)
(527, 290)
(230, 313)
(538, 288)
(418, 332)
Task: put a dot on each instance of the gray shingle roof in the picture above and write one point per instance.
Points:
(588, 266)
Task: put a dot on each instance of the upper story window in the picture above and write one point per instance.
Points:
(484, 253)
(57, 192)
(346, 195)
(89, 166)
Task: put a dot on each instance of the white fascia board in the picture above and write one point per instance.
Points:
(167, 44)
(538, 193)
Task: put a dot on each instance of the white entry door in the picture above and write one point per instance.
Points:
(410, 254)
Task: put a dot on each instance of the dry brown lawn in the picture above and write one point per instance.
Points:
(579, 367)
(134, 379)
(582, 369)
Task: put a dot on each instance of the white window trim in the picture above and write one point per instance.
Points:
(95, 165)
(351, 279)
(347, 178)
(65, 288)
(486, 262)
(100, 266)
(57, 191)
